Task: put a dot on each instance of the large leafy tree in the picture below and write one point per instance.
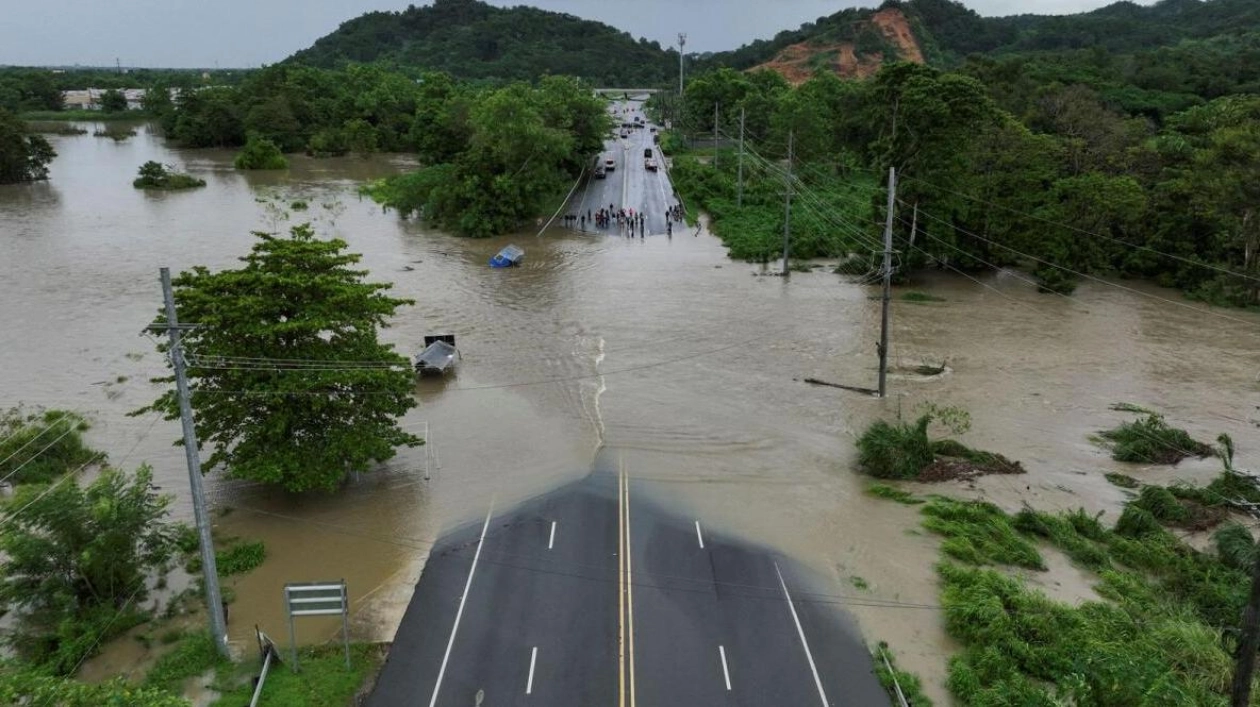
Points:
(287, 422)
(76, 560)
(24, 157)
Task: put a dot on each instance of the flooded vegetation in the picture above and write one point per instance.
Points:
(640, 346)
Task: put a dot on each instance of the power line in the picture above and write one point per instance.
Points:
(48, 428)
(1200, 310)
(1113, 239)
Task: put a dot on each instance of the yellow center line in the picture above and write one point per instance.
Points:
(629, 592)
(621, 595)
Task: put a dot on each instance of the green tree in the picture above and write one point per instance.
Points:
(113, 101)
(39, 446)
(260, 153)
(24, 157)
(297, 298)
(76, 561)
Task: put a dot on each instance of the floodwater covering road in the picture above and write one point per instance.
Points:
(631, 185)
(662, 349)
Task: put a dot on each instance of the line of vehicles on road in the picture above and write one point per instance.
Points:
(608, 163)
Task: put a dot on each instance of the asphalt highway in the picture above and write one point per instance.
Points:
(630, 185)
(593, 595)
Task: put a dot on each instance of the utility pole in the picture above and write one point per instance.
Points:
(787, 214)
(1248, 642)
(883, 330)
(914, 224)
(715, 135)
(214, 599)
(739, 195)
(682, 105)
(682, 42)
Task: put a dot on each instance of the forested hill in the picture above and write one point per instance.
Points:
(947, 31)
(472, 40)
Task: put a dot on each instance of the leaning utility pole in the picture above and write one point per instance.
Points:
(883, 330)
(214, 600)
(787, 214)
(739, 194)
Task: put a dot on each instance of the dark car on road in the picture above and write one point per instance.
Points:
(600, 172)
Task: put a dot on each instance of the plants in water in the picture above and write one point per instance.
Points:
(155, 175)
(1151, 440)
(260, 153)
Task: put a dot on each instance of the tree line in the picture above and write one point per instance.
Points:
(1059, 178)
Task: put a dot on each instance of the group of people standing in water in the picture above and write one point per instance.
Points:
(627, 220)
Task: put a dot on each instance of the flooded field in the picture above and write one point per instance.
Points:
(660, 348)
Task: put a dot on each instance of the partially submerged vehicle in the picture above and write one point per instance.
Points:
(509, 256)
(438, 357)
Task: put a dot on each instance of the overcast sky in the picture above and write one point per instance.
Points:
(236, 33)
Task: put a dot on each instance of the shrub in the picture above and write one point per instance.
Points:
(1161, 504)
(240, 558)
(895, 451)
(40, 446)
(1235, 546)
(155, 175)
(260, 153)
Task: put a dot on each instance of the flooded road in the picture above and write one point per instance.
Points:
(661, 348)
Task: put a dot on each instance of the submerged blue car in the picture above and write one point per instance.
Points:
(506, 258)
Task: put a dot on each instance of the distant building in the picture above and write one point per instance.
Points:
(90, 98)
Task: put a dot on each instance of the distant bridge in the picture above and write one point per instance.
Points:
(626, 91)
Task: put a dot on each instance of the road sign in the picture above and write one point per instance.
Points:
(669, 124)
(317, 599)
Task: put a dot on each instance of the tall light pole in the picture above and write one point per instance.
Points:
(682, 42)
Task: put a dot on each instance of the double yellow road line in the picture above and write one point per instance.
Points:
(625, 592)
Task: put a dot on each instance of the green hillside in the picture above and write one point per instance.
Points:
(948, 31)
(472, 40)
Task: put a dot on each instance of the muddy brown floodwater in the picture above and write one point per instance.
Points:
(660, 348)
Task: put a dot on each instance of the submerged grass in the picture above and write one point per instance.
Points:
(1159, 636)
(1122, 480)
(1150, 440)
(893, 494)
(920, 297)
(979, 533)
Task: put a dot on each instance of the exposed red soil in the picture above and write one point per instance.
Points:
(795, 63)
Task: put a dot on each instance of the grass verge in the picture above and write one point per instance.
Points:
(323, 681)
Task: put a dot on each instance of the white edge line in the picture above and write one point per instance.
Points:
(529, 685)
(822, 694)
(460, 614)
(699, 537)
(551, 541)
(725, 672)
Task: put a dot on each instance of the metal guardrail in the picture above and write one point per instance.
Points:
(901, 697)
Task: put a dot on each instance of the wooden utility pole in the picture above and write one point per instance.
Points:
(883, 330)
(739, 194)
(214, 599)
(787, 215)
(1248, 641)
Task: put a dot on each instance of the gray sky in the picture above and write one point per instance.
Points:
(234, 33)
